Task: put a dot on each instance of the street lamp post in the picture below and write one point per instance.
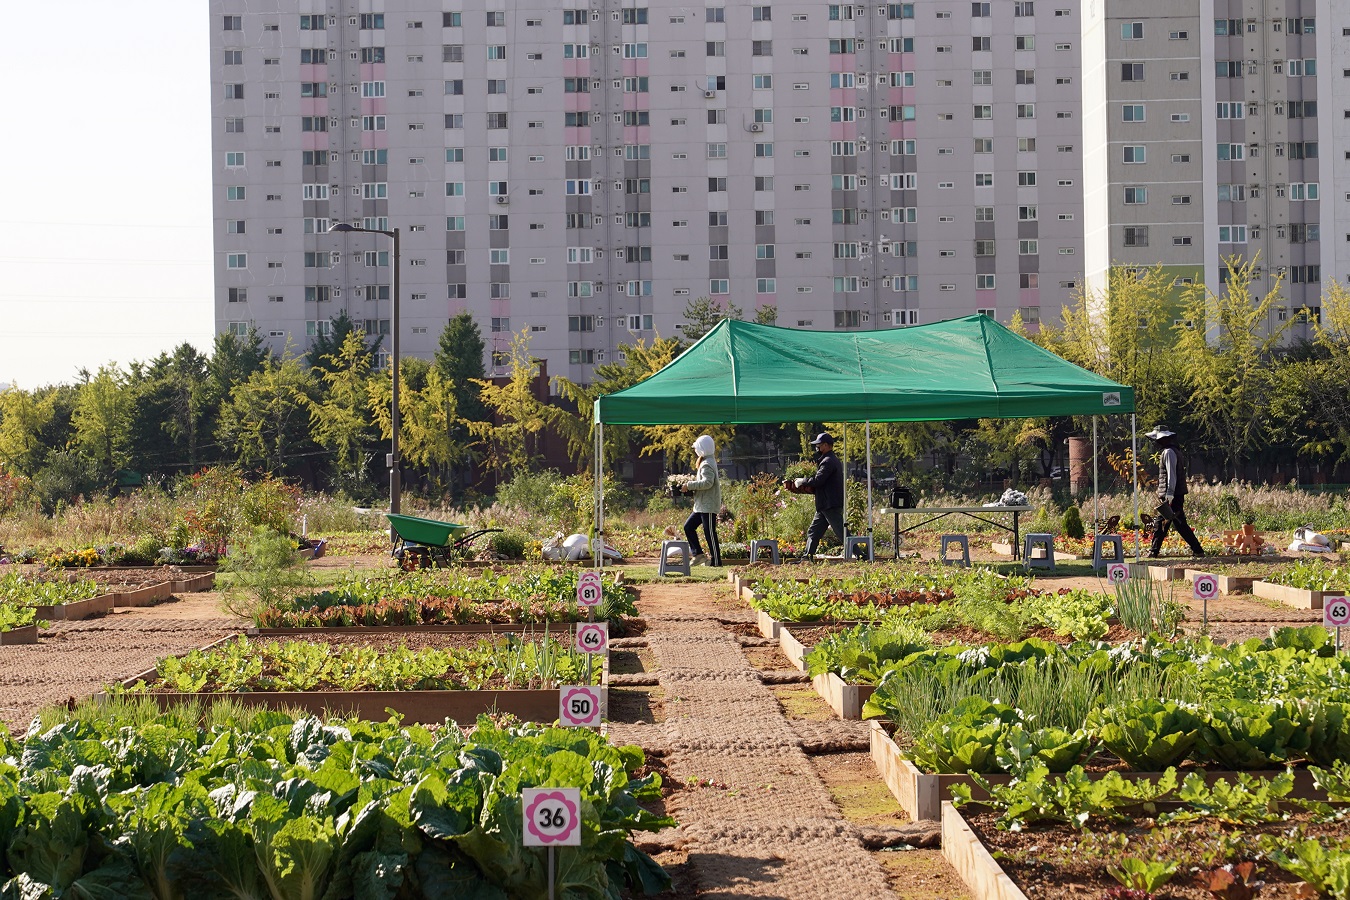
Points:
(395, 476)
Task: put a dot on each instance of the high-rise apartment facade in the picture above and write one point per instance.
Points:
(582, 174)
(1213, 131)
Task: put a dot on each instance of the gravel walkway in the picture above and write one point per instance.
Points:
(75, 659)
(758, 821)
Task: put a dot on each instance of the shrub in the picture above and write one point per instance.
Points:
(1073, 523)
(529, 491)
(262, 572)
(510, 544)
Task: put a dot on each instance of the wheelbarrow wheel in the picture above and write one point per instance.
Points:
(413, 558)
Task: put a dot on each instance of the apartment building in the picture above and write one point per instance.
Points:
(583, 173)
(1206, 138)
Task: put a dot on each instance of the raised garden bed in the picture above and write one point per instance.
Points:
(79, 609)
(923, 794)
(972, 860)
(416, 706)
(1003, 548)
(1228, 584)
(1292, 596)
(25, 634)
(1158, 571)
(147, 596)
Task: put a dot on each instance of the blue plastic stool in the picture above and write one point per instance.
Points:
(759, 544)
(959, 540)
(1099, 544)
(1046, 541)
(677, 568)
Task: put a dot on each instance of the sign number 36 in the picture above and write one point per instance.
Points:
(552, 817)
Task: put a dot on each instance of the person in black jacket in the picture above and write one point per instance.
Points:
(828, 486)
(1171, 493)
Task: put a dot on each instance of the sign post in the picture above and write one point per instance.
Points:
(1117, 573)
(1335, 614)
(1206, 588)
(552, 818)
(579, 706)
(592, 637)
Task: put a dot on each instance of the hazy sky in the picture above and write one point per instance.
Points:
(105, 223)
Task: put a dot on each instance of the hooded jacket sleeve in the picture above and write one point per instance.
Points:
(705, 478)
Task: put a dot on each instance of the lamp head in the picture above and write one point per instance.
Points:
(344, 227)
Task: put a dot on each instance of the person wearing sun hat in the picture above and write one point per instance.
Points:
(828, 485)
(1171, 493)
(707, 490)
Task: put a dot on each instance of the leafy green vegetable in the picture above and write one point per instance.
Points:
(1148, 734)
(1143, 875)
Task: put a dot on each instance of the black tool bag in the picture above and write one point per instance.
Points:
(902, 497)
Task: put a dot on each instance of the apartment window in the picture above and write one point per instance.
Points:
(1228, 68)
(1027, 214)
(1302, 109)
(761, 48)
(233, 23)
(1231, 110)
(1024, 8)
(1131, 71)
(235, 192)
(984, 248)
(1025, 42)
(580, 323)
(1135, 195)
(635, 51)
(979, 43)
(372, 54)
(1232, 151)
(1026, 110)
(719, 286)
(984, 214)
(845, 284)
(1132, 112)
(1134, 154)
(1026, 179)
(1026, 76)
(496, 51)
(983, 111)
(1026, 145)
(979, 10)
(236, 261)
(1303, 191)
(1131, 31)
(1232, 234)
(984, 179)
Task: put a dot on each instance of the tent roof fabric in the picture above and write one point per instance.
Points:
(967, 368)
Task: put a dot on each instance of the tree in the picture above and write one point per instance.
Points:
(339, 419)
(1228, 345)
(265, 421)
(637, 362)
(459, 359)
(512, 444)
(326, 347)
(103, 420)
(23, 416)
(766, 314)
(431, 429)
(703, 314)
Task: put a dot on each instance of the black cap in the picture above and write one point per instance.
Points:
(823, 438)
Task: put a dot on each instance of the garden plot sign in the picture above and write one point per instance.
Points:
(592, 637)
(579, 706)
(588, 589)
(1335, 612)
(552, 817)
(1117, 573)
(1206, 587)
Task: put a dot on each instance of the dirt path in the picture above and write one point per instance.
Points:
(756, 817)
(73, 660)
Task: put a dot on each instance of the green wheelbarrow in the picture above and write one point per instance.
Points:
(428, 542)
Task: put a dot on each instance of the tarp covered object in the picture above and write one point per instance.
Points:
(964, 368)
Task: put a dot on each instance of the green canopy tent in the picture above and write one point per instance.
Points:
(972, 367)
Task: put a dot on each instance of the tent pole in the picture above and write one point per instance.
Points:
(844, 463)
(871, 556)
(598, 537)
(1134, 461)
(1096, 503)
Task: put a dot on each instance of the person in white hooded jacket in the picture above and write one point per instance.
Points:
(706, 487)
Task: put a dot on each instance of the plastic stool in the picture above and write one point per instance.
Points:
(1045, 541)
(855, 542)
(1099, 543)
(676, 568)
(769, 544)
(960, 540)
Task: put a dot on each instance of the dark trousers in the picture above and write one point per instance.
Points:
(825, 518)
(709, 523)
(1162, 526)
